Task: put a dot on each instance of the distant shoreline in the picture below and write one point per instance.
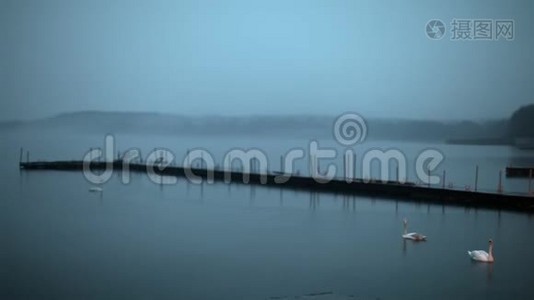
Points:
(313, 126)
(481, 141)
(522, 144)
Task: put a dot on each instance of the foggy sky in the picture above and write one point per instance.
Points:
(261, 57)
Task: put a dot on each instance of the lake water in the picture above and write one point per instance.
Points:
(185, 241)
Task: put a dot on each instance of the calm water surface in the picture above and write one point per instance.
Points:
(187, 241)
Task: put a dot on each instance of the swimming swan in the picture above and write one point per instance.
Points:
(412, 235)
(481, 255)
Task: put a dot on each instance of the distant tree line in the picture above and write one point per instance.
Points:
(499, 131)
(521, 123)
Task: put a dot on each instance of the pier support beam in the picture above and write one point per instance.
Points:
(476, 179)
(409, 192)
(530, 182)
(499, 187)
(428, 172)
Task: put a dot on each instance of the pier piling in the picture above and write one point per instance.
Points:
(357, 186)
(476, 179)
(530, 182)
(428, 171)
(499, 187)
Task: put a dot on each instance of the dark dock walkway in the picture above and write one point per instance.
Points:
(522, 172)
(390, 189)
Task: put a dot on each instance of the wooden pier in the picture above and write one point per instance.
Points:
(521, 172)
(374, 188)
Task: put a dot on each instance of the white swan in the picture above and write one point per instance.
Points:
(481, 255)
(95, 189)
(412, 235)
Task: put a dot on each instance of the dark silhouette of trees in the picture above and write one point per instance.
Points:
(522, 122)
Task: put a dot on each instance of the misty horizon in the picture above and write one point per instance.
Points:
(246, 116)
(242, 58)
(238, 149)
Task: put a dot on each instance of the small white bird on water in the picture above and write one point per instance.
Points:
(412, 235)
(481, 255)
(95, 189)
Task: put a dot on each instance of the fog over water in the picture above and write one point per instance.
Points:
(273, 76)
(219, 241)
(243, 57)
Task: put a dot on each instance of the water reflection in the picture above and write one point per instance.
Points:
(379, 226)
(188, 187)
(348, 203)
(252, 196)
(202, 190)
(98, 194)
(314, 200)
(521, 158)
(412, 242)
(486, 268)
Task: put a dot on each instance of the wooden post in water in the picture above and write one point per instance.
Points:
(476, 179)
(187, 157)
(21, 153)
(444, 178)
(428, 171)
(345, 167)
(28, 156)
(282, 163)
(499, 188)
(530, 182)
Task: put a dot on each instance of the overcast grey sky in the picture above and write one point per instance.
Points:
(261, 57)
